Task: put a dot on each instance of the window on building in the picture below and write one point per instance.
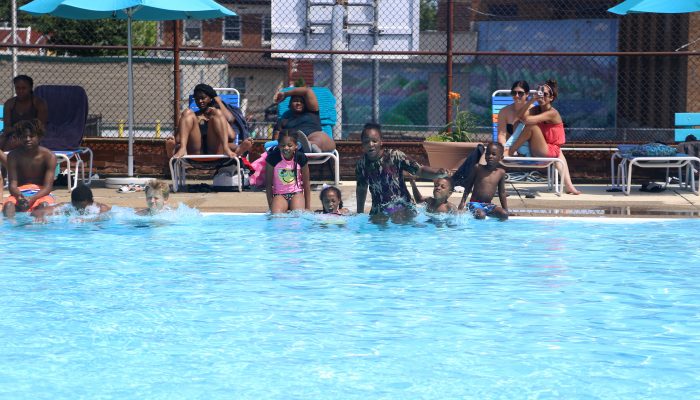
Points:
(266, 29)
(232, 29)
(193, 30)
(239, 83)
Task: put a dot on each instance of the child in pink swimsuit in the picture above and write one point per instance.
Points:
(287, 176)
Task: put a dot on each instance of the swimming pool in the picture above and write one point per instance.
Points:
(231, 306)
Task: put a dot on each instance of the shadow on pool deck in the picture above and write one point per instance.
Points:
(594, 201)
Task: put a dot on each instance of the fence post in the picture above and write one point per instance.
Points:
(176, 72)
(157, 129)
(448, 69)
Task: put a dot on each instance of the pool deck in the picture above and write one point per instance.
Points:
(595, 200)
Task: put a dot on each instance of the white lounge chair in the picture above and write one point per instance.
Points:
(502, 98)
(179, 166)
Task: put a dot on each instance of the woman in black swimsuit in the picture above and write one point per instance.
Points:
(508, 116)
(24, 106)
(209, 130)
(303, 115)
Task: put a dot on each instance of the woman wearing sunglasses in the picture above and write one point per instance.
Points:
(508, 120)
(545, 130)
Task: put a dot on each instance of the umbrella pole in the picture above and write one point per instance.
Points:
(130, 85)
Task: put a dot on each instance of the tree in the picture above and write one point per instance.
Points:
(428, 15)
(101, 32)
(104, 32)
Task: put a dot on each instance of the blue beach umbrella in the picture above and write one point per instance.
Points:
(130, 10)
(656, 6)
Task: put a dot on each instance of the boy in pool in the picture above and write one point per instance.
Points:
(30, 170)
(382, 171)
(485, 180)
(442, 189)
(157, 194)
(81, 200)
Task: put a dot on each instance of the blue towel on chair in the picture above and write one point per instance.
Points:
(525, 148)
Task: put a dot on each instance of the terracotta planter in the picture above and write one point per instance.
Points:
(448, 155)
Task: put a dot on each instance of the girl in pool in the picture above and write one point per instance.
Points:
(545, 130)
(332, 201)
(287, 181)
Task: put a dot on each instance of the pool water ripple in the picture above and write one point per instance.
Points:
(249, 307)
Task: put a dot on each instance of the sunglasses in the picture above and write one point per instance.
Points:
(518, 93)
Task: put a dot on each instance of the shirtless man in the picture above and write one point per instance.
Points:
(485, 180)
(30, 170)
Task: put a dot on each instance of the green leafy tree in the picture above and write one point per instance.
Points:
(84, 32)
(428, 15)
(103, 32)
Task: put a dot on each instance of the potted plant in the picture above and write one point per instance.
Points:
(455, 141)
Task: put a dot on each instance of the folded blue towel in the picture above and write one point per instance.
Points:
(525, 148)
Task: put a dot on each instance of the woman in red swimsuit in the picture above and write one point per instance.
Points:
(545, 131)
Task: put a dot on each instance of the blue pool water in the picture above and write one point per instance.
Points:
(243, 307)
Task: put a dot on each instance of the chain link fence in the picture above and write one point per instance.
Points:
(393, 61)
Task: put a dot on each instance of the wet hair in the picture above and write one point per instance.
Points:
(32, 125)
(369, 126)
(449, 182)
(553, 87)
(206, 89)
(522, 84)
(81, 193)
(691, 138)
(498, 145)
(325, 192)
(159, 186)
(25, 78)
(295, 137)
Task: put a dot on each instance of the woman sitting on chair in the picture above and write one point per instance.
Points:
(304, 117)
(209, 130)
(23, 107)
(508, 120)
(544, 130)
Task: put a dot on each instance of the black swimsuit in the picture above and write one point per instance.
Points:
(30, 114)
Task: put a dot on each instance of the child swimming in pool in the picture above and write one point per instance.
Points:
(381, 171)
(287, 178)
(157, 194)
(332, 201)
(81, 201)
(442, 189)
(486, 180)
